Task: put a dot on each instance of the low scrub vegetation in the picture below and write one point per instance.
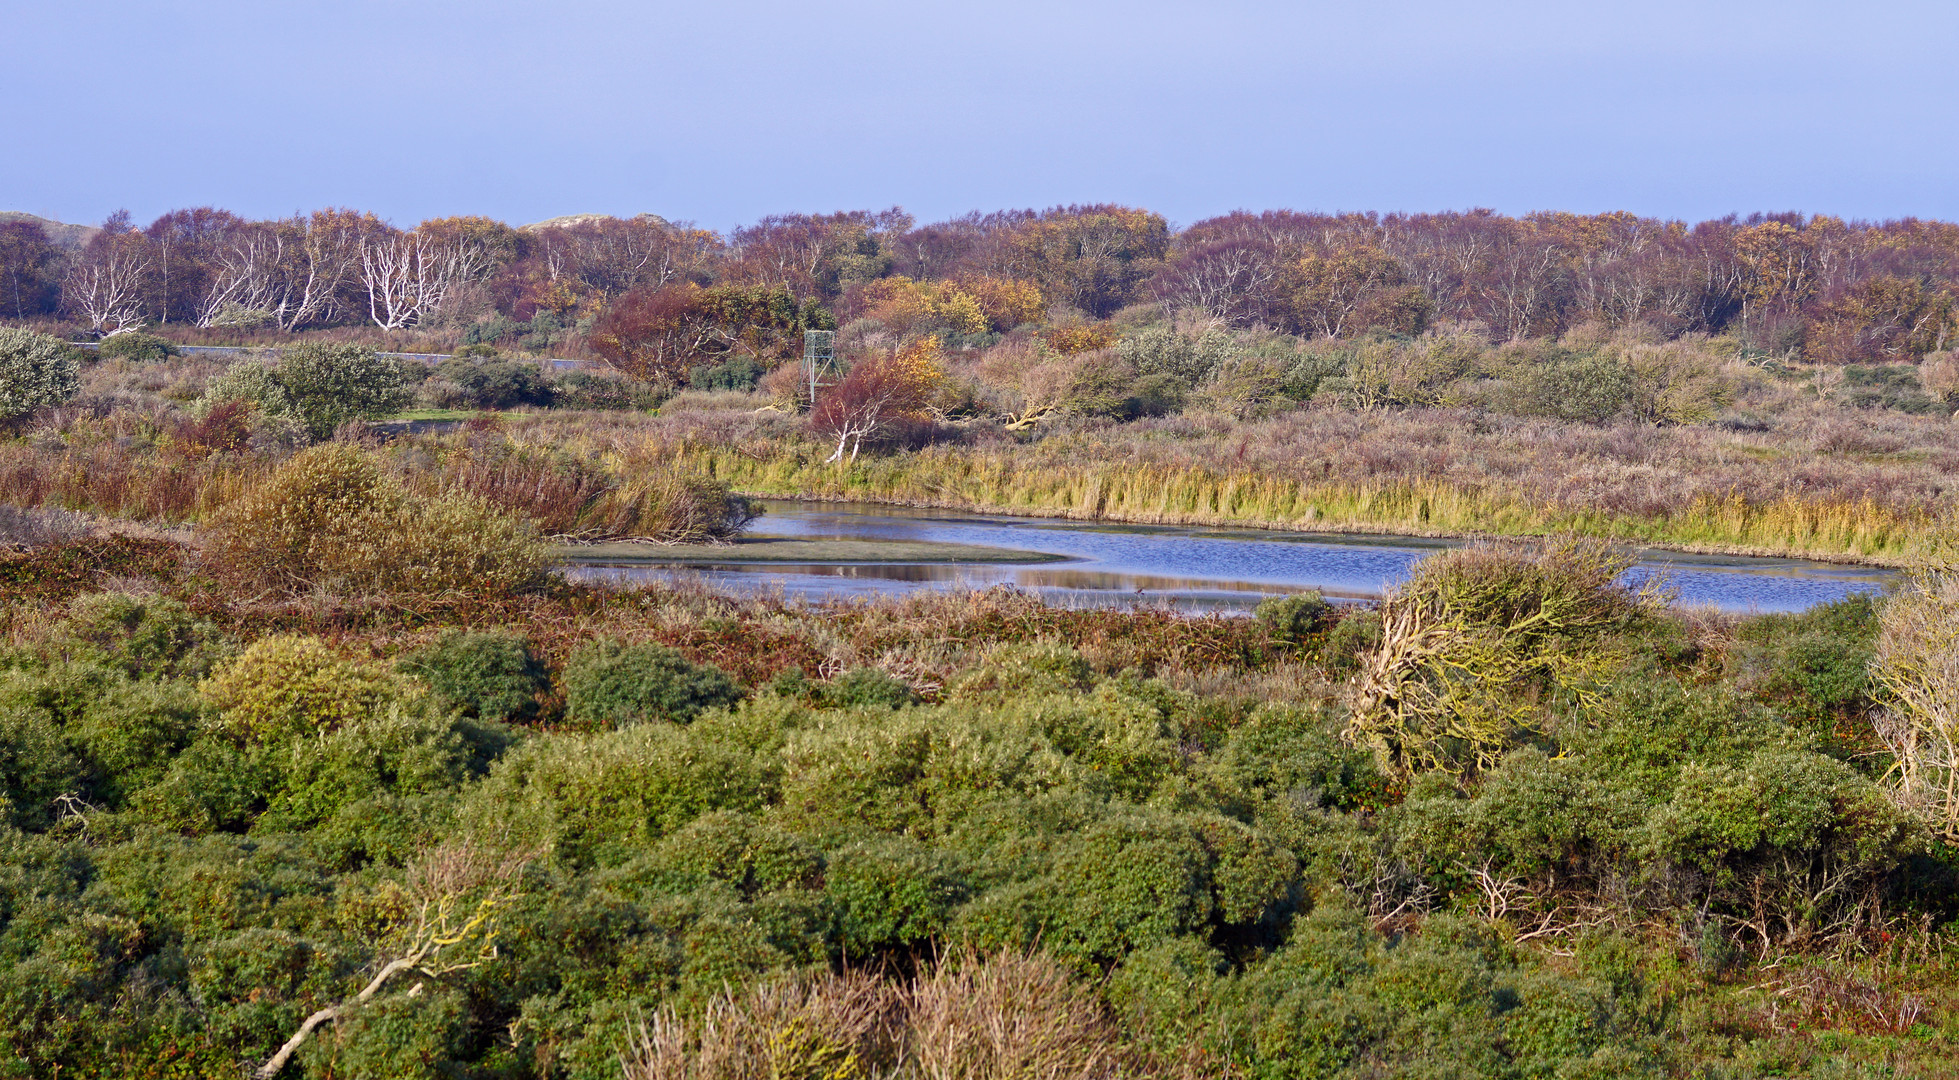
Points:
(1515, 821)
(310, 767)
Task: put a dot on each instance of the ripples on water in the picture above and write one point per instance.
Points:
(1190, 568)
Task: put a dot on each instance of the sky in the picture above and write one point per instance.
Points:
(719, 113)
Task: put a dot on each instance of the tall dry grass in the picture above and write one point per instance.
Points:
(1010, 1016)
(1823, 484)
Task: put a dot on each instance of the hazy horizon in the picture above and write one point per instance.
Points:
(523, 111)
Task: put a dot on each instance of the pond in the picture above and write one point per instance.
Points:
(1187, 568)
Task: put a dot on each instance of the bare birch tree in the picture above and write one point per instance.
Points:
(105, 286)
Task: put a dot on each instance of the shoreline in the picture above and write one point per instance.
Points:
(1344, 529)
(766, 549)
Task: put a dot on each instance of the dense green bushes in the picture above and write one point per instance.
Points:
(615, 685)
(213, 831)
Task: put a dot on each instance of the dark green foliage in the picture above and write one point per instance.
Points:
(1243, 888)
(890, 893)
(861, 687)
(737, 373)
(1355, 633)
(136, 346)
(144, 635)
(1155, 395)
(36, 767)
(496, 384)
(328, 385)
(488, 332)
(1813, 665)
(1129, 882)
(488, 675)
(614, 685)
(1303, 376)
(588, 390)
(1294, 619)
(35, 370)
(1888, 386)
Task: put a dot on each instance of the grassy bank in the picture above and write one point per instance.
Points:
(1004, 482)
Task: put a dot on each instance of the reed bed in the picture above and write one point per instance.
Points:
(1863, 530)
(1824, 483)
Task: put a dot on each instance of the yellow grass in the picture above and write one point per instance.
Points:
(992, 482)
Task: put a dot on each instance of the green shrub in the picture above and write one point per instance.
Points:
(1295, 618)
(144, 635)
(1727, 820)
(1589, 388)
(1022, 670)
(733, 848)
(35, 370)
(590, 390)
(868, 687)
(36, 767)
(615, 685)
(128, 736)
(1129, 882)
(496, 384)
(287, 686)
(330, 518)
(1814, 665)
(603, 798)
(1356, 634)
(489, 675)
(136, 346)
(1298, 753)
(1888, 386)
(1162, 350)
(329, 385)
(889, 893)
(396, 1036)
(214, 785)
(396, 749)
(739, 373)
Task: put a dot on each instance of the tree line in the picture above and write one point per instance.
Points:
(1827, 289)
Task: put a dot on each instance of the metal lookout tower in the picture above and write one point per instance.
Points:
(819, 358)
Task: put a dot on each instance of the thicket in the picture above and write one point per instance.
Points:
(35, 371)
(571, 832)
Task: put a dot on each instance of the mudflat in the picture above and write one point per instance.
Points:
(790, 549)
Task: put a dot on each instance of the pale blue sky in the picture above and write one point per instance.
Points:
(723, 112)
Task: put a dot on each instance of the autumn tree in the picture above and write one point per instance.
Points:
(185, 248)
(660, 334)
(582, 263)
(28, 262)
(816, 254)
(1092, 257)
(1348, 291)
(1233, 280)
(408, 275)
(1885, 318)
(878, 395)
(908, 306)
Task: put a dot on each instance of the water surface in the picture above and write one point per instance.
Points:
(1188, 567)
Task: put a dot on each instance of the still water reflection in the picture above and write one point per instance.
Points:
(1190, 568)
